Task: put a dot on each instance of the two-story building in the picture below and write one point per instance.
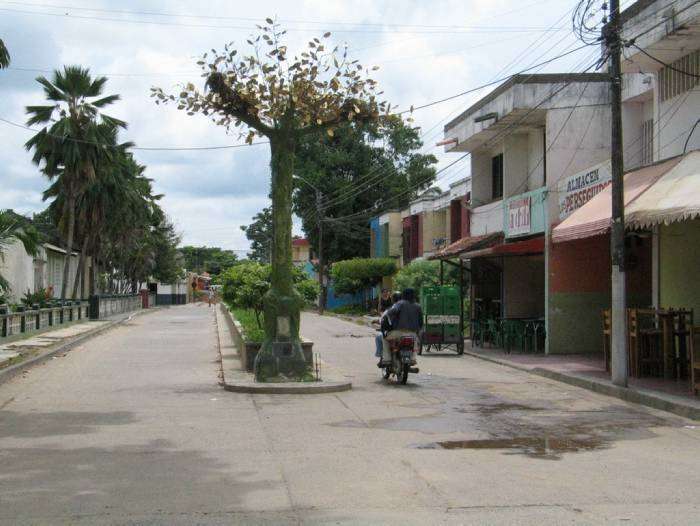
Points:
(434, 220)
(661, 110)
(524, 137)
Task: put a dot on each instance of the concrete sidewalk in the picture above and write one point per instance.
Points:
(17, 355)
(588, 372)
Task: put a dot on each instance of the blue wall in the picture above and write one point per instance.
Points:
(378, 238)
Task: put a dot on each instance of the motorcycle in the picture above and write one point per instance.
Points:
(401, 353)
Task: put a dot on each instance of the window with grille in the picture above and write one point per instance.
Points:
(680, 76)
(647, 135)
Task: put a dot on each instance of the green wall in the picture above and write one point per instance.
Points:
(575, 322)
(679, 263)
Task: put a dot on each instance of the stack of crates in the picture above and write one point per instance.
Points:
(441, 311)
(451, 314)
(431, 303)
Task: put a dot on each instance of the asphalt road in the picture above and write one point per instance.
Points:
(132, 428)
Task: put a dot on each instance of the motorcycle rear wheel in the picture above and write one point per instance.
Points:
(404, 375)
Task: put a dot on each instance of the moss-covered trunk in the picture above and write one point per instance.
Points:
(281, 356)
(282, 166)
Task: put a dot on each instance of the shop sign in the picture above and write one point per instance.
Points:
(519, 216)
(577, 190)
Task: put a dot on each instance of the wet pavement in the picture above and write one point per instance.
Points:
(132, 428)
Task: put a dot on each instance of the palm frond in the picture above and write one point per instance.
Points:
(4, 55)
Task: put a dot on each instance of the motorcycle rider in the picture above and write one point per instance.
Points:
(379, 337)
(406, 319)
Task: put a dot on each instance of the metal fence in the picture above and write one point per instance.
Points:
(106, 306)
(36, 318)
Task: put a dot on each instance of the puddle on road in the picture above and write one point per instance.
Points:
(492, 409)
(550, 448)
(468, 415)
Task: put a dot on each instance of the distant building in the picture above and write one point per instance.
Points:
(26, 273)
(301, 251)
(431, 221)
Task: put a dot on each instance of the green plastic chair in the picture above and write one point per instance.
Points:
(495, 332)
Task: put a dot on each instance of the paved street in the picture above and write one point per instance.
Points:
(131, 428)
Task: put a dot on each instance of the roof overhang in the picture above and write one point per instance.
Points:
(517, 120)
(468, 243)
(526, 247)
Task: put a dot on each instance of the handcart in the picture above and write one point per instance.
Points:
(443, 315)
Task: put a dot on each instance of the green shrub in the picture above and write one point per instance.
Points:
(40, 297)
(421, 273)
(355, 275)
(244, 286)
(247, 318)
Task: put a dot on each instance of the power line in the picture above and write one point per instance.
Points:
(497, 81)
(498, 136)
(348, 193)
(669, 66)
(141, 148)
(465, 30)
(249, 19)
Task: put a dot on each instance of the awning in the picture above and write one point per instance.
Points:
(674, 197)
(526, 247)
(594, 218)
(468, 243)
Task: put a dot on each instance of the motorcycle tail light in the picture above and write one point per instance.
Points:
(406, 341)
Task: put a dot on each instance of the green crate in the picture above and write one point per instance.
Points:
(451, 300)
(431, 301)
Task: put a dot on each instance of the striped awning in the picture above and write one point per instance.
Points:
(674, 197)
(594, 217)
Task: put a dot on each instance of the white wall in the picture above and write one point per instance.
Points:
(481, 185)
(17, 267)
(487, 219)
(583, 142)
(672, 125)
(515, 164)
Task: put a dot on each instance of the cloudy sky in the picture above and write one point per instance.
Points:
(426, 51)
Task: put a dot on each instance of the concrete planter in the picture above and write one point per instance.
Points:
(248, 350)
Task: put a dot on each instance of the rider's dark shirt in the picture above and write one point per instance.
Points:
(406, 316)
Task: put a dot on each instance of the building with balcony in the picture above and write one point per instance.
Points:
(661, 110)
(525, 137)
(434, 220)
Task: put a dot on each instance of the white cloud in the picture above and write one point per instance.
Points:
(210, 194)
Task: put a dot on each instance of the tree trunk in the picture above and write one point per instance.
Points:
(281, 355)
(282, 166)
(78, 274)
(70, 205)
(92, 285)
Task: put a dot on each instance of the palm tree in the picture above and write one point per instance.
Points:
(4, 55)
(76, 137)
(13, 229)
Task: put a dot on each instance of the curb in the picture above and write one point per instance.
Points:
(10, 372)
(633, 395)
(246, 385)
(290, 388)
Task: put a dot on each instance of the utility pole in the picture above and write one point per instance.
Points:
(618, 331)
(319, 219)
(321, 284)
